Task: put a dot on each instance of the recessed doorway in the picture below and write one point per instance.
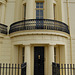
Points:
(38, 60)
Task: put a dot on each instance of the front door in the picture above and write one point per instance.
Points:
(38, 60)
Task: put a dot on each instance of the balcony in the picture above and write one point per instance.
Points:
(3, 28)
(39, 24)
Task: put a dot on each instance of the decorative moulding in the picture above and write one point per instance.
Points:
(3, 1)
(24, 1)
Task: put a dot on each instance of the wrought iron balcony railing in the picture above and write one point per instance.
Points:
(3, 28)
(36, 24)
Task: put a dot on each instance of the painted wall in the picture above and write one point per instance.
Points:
(71, 7)
(11, 44)
(12, 11)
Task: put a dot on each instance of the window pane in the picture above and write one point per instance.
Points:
(41, 5)
(37, 12)
(37, 18)
(37, 5)
(41, 12)
(41, 17)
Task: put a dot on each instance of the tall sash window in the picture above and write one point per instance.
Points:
(39, 10)
(39, 15)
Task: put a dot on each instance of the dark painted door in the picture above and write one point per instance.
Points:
(38, 60)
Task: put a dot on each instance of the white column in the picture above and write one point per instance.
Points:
(51, 59)
(30, 9)
(28, 59)
(3, 13)
(50, 9)
(14, 54)
(62, 54)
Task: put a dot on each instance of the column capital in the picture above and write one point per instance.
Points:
(2, 2)
(26, 44)
(52, 44)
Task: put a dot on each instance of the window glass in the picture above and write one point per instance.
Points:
(41, 5)
(37, 18)
(54, 54)
(37, 5)
(39, 10)
(23, 55)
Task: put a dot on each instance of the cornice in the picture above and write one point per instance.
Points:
(39, 32)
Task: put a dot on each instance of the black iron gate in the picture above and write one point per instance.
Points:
(55, 69)
(23, 69)
(63, 69)
(13, 69)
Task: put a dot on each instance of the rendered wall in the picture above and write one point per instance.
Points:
(71, 6)
(13, 12)
(5, 49)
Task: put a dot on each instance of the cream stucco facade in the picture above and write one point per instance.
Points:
(58, 45)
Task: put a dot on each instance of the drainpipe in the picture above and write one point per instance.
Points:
(69, 30)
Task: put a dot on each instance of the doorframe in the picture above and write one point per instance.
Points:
(45, 57)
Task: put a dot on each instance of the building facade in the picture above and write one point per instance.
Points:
(37, 32)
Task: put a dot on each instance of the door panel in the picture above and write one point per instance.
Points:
(38, 60)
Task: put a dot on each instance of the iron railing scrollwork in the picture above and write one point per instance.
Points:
(33, 24)
(3, 28)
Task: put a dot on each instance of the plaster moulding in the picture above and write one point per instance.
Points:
(43, 32)
(2, 1)
(52, 44)
(24, 1)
